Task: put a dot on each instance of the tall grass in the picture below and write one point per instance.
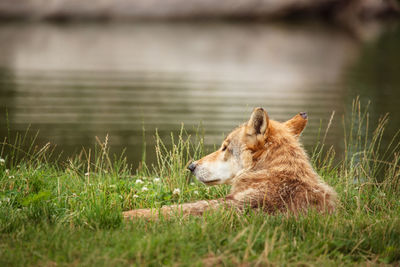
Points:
(69, 212)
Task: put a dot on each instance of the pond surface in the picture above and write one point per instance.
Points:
(77, 81)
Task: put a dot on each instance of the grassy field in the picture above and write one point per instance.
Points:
(69, 213)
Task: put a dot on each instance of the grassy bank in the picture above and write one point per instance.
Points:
(69, 213)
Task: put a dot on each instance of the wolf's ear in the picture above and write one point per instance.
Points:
(297, 124)
(258, 122)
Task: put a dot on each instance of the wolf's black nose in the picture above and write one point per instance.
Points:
(192, 166)
(304, 115)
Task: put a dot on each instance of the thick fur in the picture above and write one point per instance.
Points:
(267, 167)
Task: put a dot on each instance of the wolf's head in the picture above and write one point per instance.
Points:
(244, 146)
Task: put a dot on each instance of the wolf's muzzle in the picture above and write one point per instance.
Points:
(192, 167)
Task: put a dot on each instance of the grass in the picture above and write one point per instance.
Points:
(69, 213)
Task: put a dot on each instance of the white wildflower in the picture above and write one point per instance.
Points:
(86, 174)
(11, 176)
(135, 196)
(7, 171)
(191, 183)
(2, 161)
(73, 194)
(196, 192)
(156, 180)
(138, 181)
(176, 191)
(145, 189)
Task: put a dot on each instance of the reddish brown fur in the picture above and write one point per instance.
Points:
(277, 175)
(282, 177)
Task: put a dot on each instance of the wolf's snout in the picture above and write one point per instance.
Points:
(192, 167)
(304, 115)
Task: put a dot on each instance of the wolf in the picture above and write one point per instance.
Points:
(267, 168)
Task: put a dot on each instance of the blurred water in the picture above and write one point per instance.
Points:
(77, 81)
